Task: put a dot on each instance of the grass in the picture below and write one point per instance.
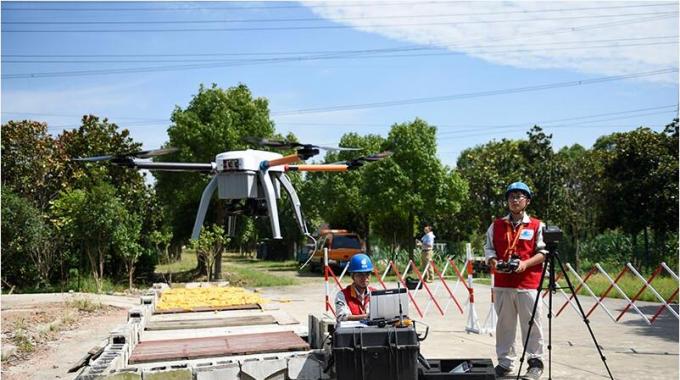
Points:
(237, 269)
(84, 304)
(251, 277)
(186, 263)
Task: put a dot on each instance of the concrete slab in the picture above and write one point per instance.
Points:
(147, 336)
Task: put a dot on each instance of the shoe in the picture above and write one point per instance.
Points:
(501, 371)
(534, 371)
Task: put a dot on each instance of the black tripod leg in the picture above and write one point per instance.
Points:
(531, 320)
(583, 314)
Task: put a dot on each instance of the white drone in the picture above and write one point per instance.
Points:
(251, 175)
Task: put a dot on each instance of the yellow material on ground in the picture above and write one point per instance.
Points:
(186, 299)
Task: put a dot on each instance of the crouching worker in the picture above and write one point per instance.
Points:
(351, 303)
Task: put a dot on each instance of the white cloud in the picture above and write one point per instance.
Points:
(547, 34)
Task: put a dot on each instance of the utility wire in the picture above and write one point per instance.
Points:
(478, 94)
(544, 122)
(243, 62)
(320, 5)
(303, 52)
(333, 57)
(586, 124)
(309, 27)
(318, 19)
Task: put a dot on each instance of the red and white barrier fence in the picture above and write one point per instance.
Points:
(442, 280)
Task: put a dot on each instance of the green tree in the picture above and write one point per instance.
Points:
(575, 204)
(337, 198)
(90, 220)
(126, 244)
(216, 120)
(488, 169)
(33, 163)
(210, 246)
(640, 183)
(24, 236)
(410, 186)
(161, 241)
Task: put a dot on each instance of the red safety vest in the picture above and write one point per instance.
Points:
(522, 242)
(355, 306)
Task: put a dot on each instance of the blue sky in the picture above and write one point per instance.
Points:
(484, 59)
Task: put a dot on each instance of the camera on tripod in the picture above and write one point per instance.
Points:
(508, 266)
(552, 236)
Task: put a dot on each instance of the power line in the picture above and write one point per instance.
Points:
(320, 5)
(357, 54)
(244, 62)
(586, 124)
(304, 27)
(544, 122)
(316, 19)
(281, 60)
(478, 94)
(303, 52)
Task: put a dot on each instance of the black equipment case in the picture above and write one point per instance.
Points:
(375, 353)
(479, 369)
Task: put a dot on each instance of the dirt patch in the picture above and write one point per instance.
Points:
(42, 341)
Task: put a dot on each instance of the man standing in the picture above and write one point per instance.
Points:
(519, 235)
(427, 244)
(351, 303)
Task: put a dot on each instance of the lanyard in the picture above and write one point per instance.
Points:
(364, 301)
(512, 237)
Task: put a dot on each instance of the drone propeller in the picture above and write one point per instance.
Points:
(282, 144)
(357, 162)
(131, 160)
(139, 154)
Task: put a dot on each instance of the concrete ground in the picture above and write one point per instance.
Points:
(633, 349)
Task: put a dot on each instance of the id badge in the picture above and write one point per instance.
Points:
(526, 235)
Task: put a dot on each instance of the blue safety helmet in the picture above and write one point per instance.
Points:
(518, 186)
(360, 263)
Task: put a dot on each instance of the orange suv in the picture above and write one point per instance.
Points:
(341, 244)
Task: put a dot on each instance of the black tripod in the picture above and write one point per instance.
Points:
(552, 258)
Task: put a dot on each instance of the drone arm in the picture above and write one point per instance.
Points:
(264, 165)
(170, 166)
(316, 168)
(294, 200)
(203, 207)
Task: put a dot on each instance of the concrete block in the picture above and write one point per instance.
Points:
(8, 350)
(147, 300)
(125, 374)
(160, 286)
(268, 368)
(215, 371)
(168, 373)
(304, 367)
(135, 314)
(319, 329)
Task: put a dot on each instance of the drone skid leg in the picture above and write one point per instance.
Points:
(270, 196)
(288, 187)
(203, 207)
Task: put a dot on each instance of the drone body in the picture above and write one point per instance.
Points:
(255, 176)
(239, 176)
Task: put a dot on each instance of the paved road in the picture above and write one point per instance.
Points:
(633, 350)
